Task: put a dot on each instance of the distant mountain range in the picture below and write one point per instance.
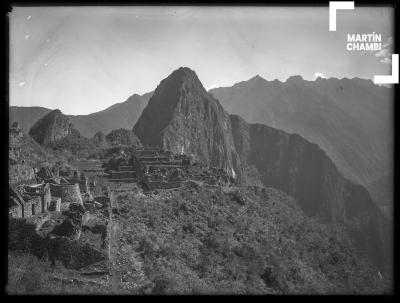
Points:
(351, 119)
(55, 131)
(119, 115)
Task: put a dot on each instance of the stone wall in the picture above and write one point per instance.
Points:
(55, 204)
(69, 193)
(26, 209)
(110, 196)
(15, 211)
(83, 185)
(125, 168)
(36, 205)
(43, 192)
(162, 185)
(123, 174)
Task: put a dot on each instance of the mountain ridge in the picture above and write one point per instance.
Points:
(351, 119)
(116, 116)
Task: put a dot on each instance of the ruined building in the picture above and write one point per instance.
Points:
(158, 168)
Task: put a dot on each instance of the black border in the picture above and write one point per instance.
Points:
(7, 7)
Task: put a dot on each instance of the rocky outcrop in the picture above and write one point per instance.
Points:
(52, 128)
(56, 131)
(182, 117)
(123, 137)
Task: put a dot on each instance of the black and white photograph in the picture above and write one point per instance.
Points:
(201, 149)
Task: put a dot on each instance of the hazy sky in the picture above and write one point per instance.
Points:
(84, 59)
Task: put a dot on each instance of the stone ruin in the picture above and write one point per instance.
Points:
(26, 201)
(48, 175)
(16, 127)
(69, 193)
(50, 193)
(59, 239)
(157, 168)
(81, 180)
(120, 169)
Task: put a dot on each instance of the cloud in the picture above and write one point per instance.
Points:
(382, 53)
(318, 75)
(389, 42)
(27, 37)
(212, 86)
(386, 53)
(386, 61)
(21, 84)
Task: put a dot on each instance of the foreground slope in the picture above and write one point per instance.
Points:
(202, 239)
(181, 116)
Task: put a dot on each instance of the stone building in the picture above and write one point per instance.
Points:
(15, 209)
(22, 205)
(42, 191)
(55, 204)
(81, 180)
(69, 193)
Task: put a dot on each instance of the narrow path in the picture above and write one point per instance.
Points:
(126, 270)
(111, 250)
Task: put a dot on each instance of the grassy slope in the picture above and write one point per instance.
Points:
(200, 241)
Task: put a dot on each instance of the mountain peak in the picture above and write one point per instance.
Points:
(184, 70)
(257, 78)
(180, 81)
(183, 73)
(56, 112)
(183, 117)
(51, 128)
(295, 79)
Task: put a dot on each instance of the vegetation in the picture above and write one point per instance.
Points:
(29, 275)
(204, 241)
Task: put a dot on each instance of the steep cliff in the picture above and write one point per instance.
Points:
(181, 116)
(303, 170)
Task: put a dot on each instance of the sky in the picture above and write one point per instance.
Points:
(85, 59)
